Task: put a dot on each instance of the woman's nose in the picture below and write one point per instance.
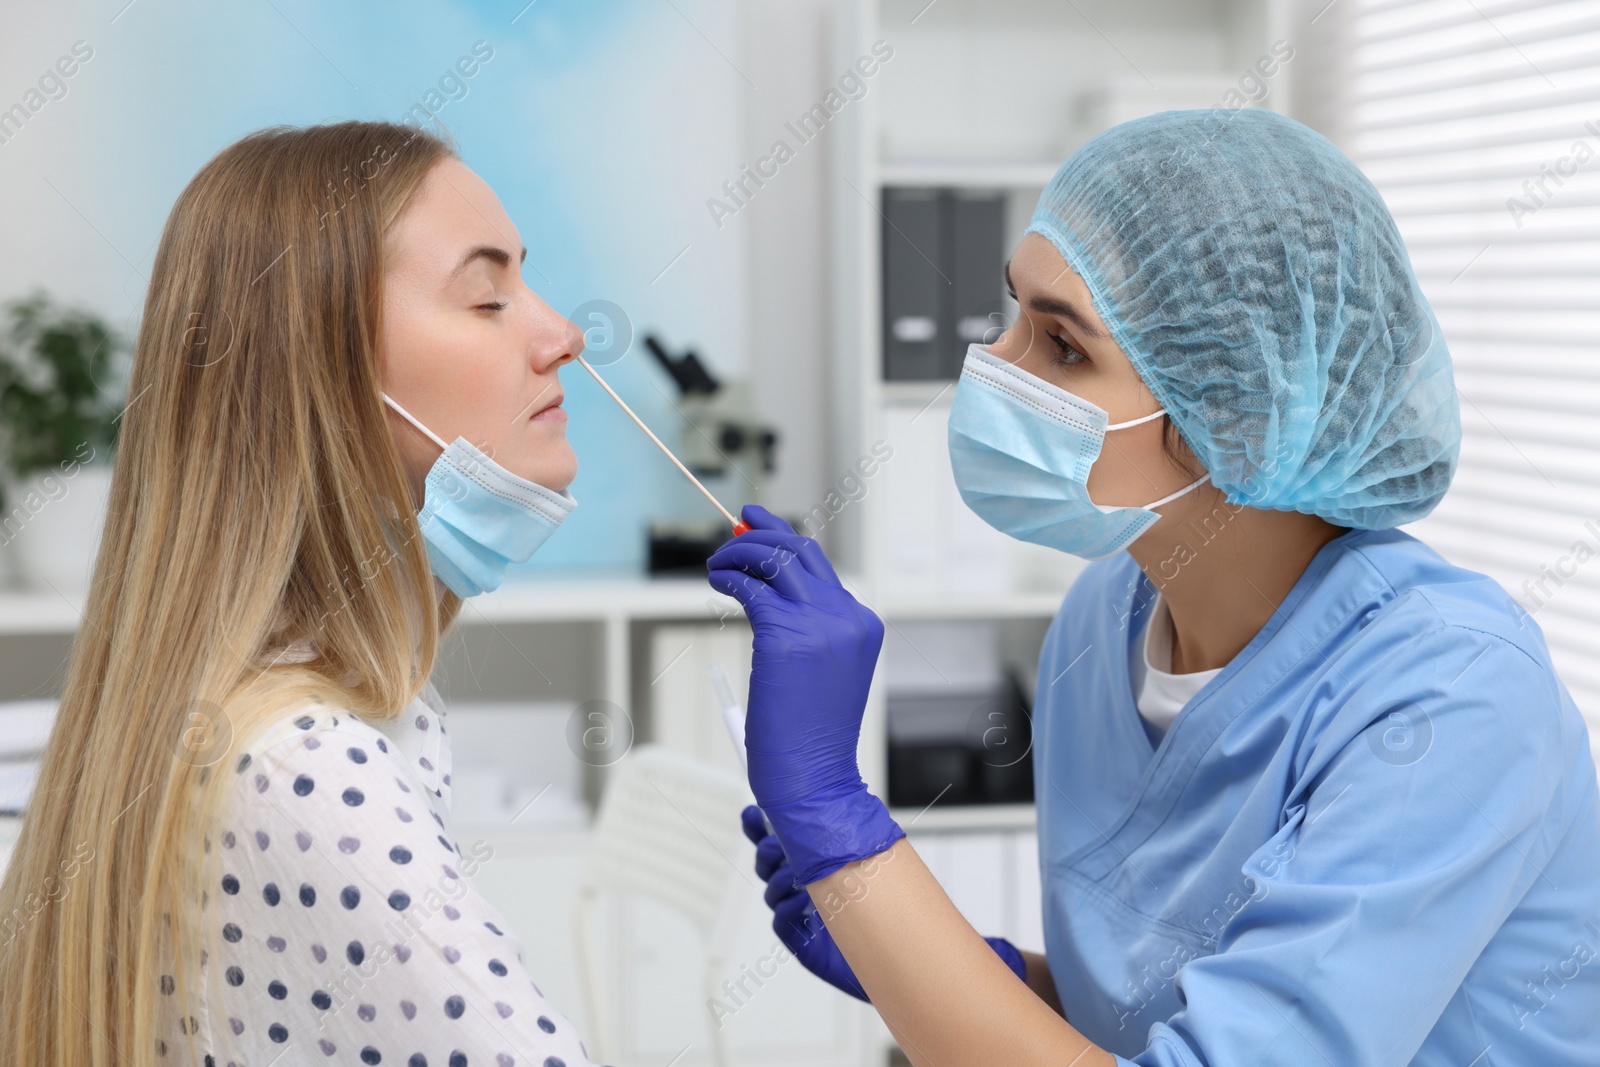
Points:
(559, 340)
(574, 339)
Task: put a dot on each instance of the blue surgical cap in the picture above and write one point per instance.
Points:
(1258, 284)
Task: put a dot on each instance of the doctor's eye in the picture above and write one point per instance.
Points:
(1062, 360)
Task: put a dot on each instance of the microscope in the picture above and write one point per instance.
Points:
(724, 444)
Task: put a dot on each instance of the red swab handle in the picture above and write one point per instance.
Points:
(740, 528)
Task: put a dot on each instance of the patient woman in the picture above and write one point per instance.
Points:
(344, 416)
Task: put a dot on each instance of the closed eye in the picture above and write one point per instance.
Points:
(501, 306)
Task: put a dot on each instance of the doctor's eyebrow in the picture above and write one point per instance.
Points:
(1049, 305)
(489, 252)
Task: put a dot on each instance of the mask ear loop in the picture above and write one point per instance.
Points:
(1134, 422)
(414, 422)
(1170, 497)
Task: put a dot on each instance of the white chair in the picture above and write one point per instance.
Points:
(668, 830)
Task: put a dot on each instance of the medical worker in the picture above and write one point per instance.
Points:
(1307, 793)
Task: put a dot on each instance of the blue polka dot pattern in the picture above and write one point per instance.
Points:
(430, 975)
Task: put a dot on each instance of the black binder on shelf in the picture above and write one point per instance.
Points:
(914, 284)
(943, 250)
(975, 252)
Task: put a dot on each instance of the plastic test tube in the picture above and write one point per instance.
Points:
(732, 710)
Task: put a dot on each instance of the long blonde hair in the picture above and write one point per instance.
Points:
(257, 501)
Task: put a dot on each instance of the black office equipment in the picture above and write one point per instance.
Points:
(966, 747)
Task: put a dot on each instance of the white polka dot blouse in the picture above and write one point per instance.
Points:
(350, 929)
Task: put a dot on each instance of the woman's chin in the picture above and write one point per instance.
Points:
(560, 466)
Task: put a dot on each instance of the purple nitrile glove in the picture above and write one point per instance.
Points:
(794, 918)
(800, 928)
(814, 652)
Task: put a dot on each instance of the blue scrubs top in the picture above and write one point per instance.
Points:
(1372, 839)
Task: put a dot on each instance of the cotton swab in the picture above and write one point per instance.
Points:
(738, 526)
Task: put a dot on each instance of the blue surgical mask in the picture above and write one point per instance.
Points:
(1021, 449)
(478, 518)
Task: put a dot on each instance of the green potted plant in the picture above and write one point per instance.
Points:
(60, 410)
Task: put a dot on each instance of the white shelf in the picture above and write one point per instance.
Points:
(596, 598)
(998, 606)
(920, 395)
(600, 597)
(978, 174)
(38, 613)
(591, 598)
(954, 817)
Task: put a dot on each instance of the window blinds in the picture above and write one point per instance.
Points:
(1480, 124)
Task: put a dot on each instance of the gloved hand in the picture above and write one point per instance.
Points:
(801, 929)
(814, 652)
(794, 917)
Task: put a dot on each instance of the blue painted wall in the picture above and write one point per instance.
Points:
(602, 126)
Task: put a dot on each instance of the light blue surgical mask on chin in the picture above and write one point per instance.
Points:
(478, 518)
(1021, 449)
